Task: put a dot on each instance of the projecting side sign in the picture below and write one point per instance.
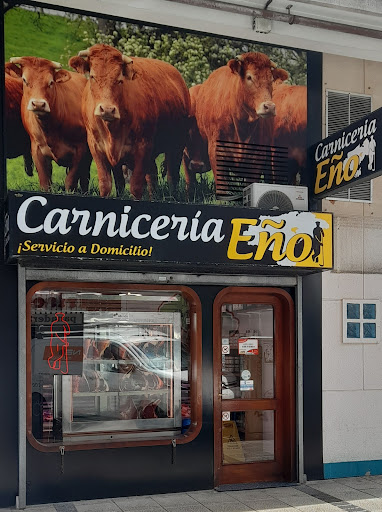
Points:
(348, 157)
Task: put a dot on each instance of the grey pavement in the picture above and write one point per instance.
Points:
(363, 494)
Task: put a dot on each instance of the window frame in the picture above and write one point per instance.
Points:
(195, 356)
(361, 321)
(349, 94)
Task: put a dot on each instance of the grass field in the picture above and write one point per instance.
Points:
(28, 32)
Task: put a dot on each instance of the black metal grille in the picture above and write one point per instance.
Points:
(239, 164)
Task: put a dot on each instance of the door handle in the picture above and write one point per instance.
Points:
(220, 394)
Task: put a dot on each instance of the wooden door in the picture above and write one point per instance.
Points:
(254, 395)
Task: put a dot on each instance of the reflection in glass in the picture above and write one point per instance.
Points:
(248, 437)
(247, 351)
(109, 363)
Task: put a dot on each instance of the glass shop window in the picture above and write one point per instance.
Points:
(361, 321)
(112, 365)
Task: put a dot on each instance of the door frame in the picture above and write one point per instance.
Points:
(285, 463)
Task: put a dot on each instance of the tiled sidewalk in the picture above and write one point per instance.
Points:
(348, 494)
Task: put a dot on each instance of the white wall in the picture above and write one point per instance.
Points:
(352, 373)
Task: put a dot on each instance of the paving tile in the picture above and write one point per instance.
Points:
(93, 502)
(325, 507)
(229, 507)
(285, 491)
(368, 504)
(187, 508)
(136, 502)
(151, 508)
(270, 504)
(375, 491)
(65, 507)
(40, 508)
(361, 483)
(349, 494)
(107, 506)
(205, 497)
(300, 501)
(178, 498)
(254, 494)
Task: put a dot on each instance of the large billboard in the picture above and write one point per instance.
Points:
(113, 108)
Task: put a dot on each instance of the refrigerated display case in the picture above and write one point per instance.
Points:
(131, 379)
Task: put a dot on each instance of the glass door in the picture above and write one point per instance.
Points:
(254, 385)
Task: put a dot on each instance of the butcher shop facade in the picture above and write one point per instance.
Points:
(155, 319)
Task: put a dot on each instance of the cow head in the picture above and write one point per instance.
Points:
(254, 73)
(108, 71)
(40, 78)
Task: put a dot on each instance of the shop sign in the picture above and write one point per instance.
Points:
(348, 157)
(44, 225)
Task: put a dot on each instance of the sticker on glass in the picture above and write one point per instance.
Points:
(246, 385)
(248, 346)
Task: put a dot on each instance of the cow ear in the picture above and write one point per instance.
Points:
(234, 65)
(12, 69)
(79, 64)
(61, 76)
(129, 71)
(280, 74)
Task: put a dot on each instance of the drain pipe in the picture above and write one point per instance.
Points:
(285, 18)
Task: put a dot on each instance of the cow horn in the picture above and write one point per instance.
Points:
(273, 65)
(239, 58)
(56, 65)
(16, 60)
(127, 59)
(83, 53)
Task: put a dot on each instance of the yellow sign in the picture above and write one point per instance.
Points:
(232, 448)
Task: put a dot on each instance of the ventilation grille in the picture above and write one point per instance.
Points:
(240, 164)
(343, 109)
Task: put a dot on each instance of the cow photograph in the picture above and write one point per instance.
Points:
(109, 108)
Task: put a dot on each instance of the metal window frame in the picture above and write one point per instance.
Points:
(349, 94)
(41, 274)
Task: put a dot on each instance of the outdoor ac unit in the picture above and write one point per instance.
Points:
(276, 197)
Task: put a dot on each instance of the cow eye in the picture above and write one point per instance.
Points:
(50, 83)
(92, 77)
(249, 78)
(120, 82)
(25, 80)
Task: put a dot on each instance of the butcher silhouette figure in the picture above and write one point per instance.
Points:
(59, 331)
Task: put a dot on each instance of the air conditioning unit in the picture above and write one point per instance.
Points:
(276, 197)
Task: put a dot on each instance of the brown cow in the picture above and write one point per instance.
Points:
(51, 114)
(134, 109)
(234, 101)
(17, 140)
(290, 125)
(195, 154)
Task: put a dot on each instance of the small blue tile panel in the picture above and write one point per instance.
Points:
(353, 330)
(369, 330)
(369, 311)
(353, 311)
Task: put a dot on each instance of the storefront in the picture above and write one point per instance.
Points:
(162, 345)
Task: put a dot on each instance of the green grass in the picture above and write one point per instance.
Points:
(30, 33)
(17, 179)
